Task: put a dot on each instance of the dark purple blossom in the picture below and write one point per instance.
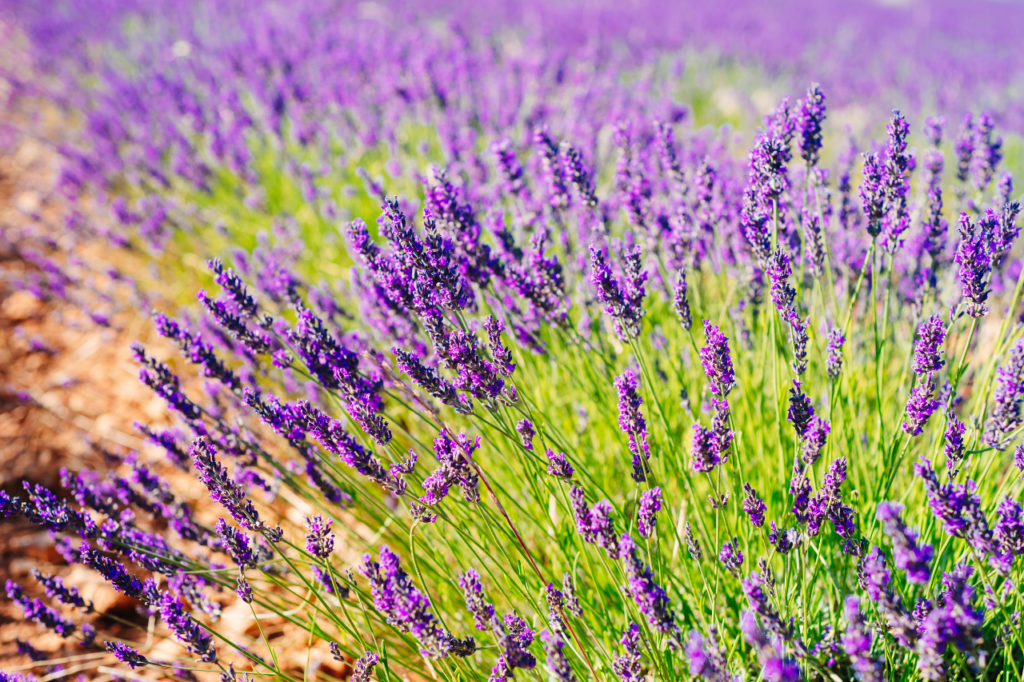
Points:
(405, 607)
(513, 637)
(731, 556)
(680, 301)
(476, 603)
(650, 598)
(1007, 413)
(622, 301)
(524, 427)
(908, 555)
(454, 457)
(827, 505)
(920, 406)
(236, 543)
(570, 600)
(703, 450)
(632, 422)
(834, 365)
(717, 360)
(223, 489)
(930, 337)
(363, 667)
(319, 539)
(557, 664)
(706, 658)
(954, 446)
(627, 665)
(650, 505)
(975, 263)
(124, 653)
(558, 465)
(753, 506)
(857, 643)
(56, 589)
(814, 439)
(33, 609)
(810, 115)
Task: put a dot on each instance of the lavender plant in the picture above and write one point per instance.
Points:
(445, 399)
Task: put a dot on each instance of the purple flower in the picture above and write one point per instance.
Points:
(1007, 413)
(810, 114)
(717, 360)
(857, 643)
(454, 468)
(706, 658)
(500, 353)
(56, 589)
(920, 406)
(33, 609)
(558, 465)
(896, 183)
(731, 556)
(363, 667)
(632, 422)
(800, 411)
(955, 621)
(814, 440)
(557, 664)
(236, 543)
(627, 666)
(703, 450)
(405, 607)
(954, 447)
(570, 600)
(876, 579)
(759, 604)
(473, 590)
(184, 626)
(908, 555)
(524, 427)
(551, 169)
(650, 505)
(319, 539)
(508, 166)
(872, 193)
(576, 174)
(987, 152)
(680, 301)
(429, 379)
(754, 506)
(834, 365)
(692, 545)
(975, 264)
(244, 590)
(222, 488)
(933, 129)
(828, 505)
(930, 337)
(783, 540)
(782, 292)
(964, 146)
(513, 637)
(622, 302)
(595, 524)
(650, 598)
(126, 654)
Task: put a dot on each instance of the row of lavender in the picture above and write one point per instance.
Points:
(515, 320)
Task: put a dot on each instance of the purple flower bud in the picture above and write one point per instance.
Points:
(126, 654)
(1007, 413)
(632, 422)
(834, 365)
(363, 667)
(810, 114)
(525, 430)
(920, 406)
(954, 447)
(244, 590)
(473, 590)
(557, 664)
(933, 128)
(627, 666)
(753, 506)
(908, 555)
(558, 465)
(650, 505)
(857, 643)
(731, 556)
(236, 543)
(570, 600)
(703, 450)
(975, 264)
(681, 302)
(623, 302)
(691, 543)
(987, 152)
(33, 609)
(930, 337)
(319, 539)
(717, 360)
(650, 598)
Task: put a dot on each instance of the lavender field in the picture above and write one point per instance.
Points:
(404, 341)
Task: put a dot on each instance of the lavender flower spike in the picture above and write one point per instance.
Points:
(975, 263)
(930, 337)
(558, 665)
(124, 653)
(717, 360)
(473, 590)
(754, 506)
(857, 643)
(363, 667)
(908, 555)
(224, 490)
(632, 422)
(834, 365)
(320, 539)
(558, 465)
(525, 430)
(650, 505)
(627, 666)
(1007, 413)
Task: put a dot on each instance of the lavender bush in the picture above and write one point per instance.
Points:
(494, 364)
